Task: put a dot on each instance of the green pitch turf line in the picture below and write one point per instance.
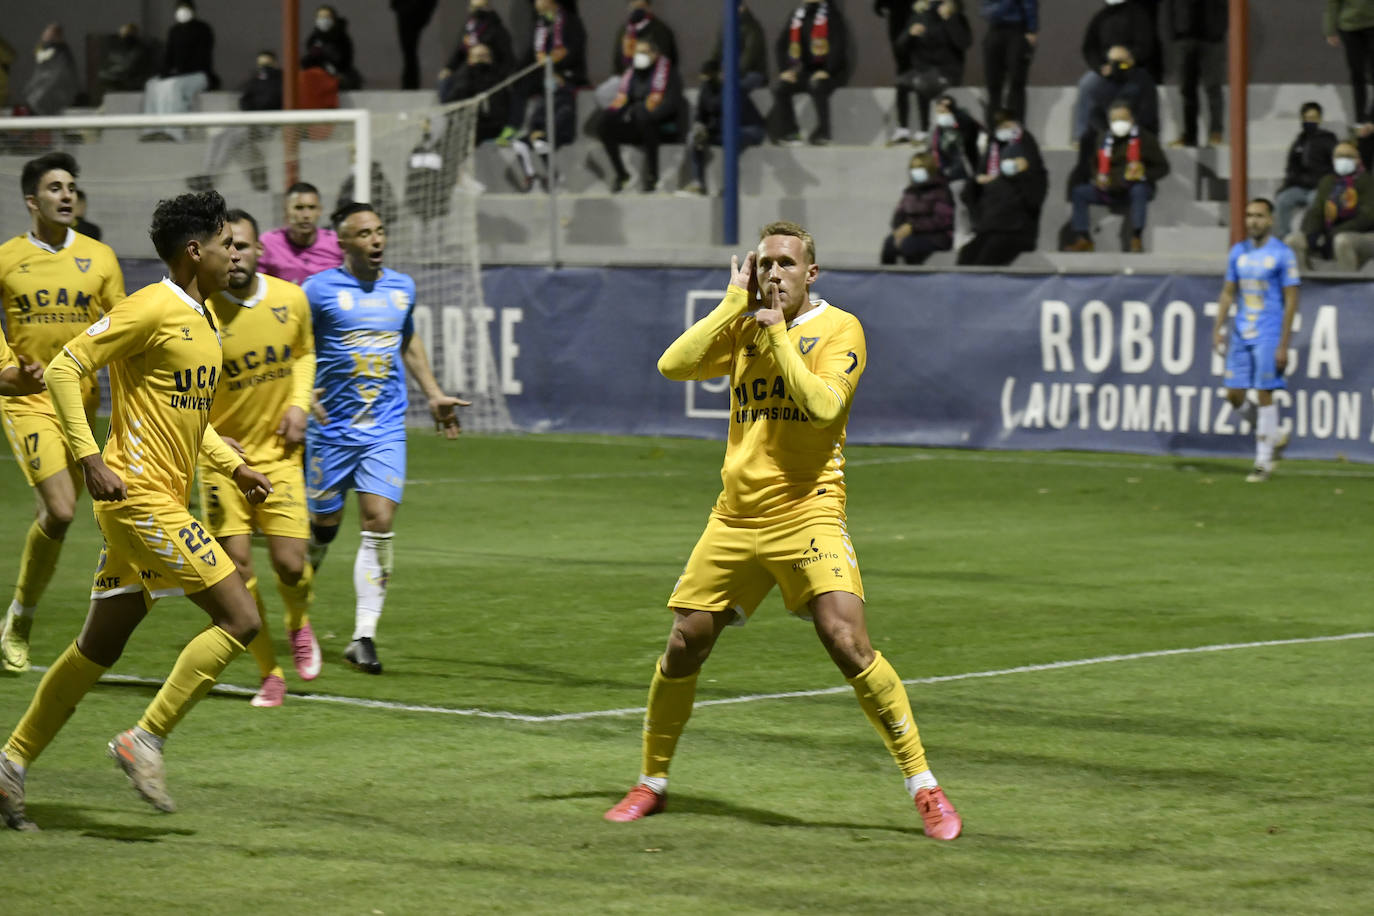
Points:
(232, 690)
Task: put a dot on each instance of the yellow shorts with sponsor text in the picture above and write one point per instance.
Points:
(38, 446)
(733, 567)
(155, 546)
(282, 514)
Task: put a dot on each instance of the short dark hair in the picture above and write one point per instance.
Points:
(1310, 106)
(35, 169)
(302, 187)
(1004, 114)
(1269, 204)
(345, 210)
(1121, 102)
(197, 215)
(242, 216)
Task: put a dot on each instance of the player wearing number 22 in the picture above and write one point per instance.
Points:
(365, 344)
(163, 350)
(793, 365)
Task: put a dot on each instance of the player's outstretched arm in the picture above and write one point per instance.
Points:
(704, 350)
(441, 406)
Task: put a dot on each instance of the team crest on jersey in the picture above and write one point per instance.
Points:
(279, 312)
(751, 349)
(806, 343)
(345, 300)
(24, 268)
(209, 558)
(98, 327)
(35, 463)
(82, 264)
(399, 300)
(185, 333)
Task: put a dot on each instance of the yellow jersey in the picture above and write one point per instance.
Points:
(791, 389)
(164, 354)
(51, 293)
(7, 357)
(269, 365)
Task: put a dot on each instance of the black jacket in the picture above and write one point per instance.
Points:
(262, 92)
(1309, 159)
(656, 30)
(190, 49)
(836, 59)
(1130, 24)
(572, 69)
(1151, 156)
(958, 159)
(1010, 203)
(1204, 20)
(1137, 86)
(641, 83)
(331, 50)
(753, 48)
(488, 30)
(942, 45)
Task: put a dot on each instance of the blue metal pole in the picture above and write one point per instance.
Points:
(730, 121)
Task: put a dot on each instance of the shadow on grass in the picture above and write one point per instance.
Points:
(71, 819)
(714, 807)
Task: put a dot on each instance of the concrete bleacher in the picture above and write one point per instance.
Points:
(844, 192)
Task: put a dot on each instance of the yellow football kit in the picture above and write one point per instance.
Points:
(780, 517)
(164, 355)
(269, 365)
(49, 294)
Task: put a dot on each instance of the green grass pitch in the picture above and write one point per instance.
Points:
(530, 579)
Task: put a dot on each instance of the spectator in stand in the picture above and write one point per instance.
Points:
(411, 18)
(188, 68)
(1351, 23)
(126, 63)
(329, 48)
(1309, 160)
(1199, 33)
(300, 248)
(753, 74)
(812, 59)
(54, 85)
(937, 38)
(644, 113)
(1125, 81)
(7, 58)
(79, 221)
(483, 27)
(559, 35)
(923, 221)
(262, 92)
(1116, 167)
(1129, 24)
(1006, 196)
(1008, 46)
(640, 23)
(953, 139)
(896, 13)
(1339, 224)
(478, 74)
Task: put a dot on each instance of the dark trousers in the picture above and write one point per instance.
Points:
(1136, 196)
(411, 19)
(1201, 62)
(1006, 59)
(638, 128)
(994, 249)
(896, 25)
(564, 116)
(1359, 57)
(914, 249)
(785, 118)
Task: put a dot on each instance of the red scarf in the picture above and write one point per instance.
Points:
(542, 43)
(1343, 201)
(819, 38)
(633, 30)
(1104, 155)
(657, 86)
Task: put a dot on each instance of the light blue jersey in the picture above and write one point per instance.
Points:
(1260, 274)
(359, 336)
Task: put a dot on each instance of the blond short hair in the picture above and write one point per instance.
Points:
(785, 227)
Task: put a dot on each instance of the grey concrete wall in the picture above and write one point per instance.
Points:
(1286, 44)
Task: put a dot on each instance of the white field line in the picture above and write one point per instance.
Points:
(234, 690)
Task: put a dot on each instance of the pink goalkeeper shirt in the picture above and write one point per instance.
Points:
(284, 260)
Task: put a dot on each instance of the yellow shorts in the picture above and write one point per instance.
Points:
(38, 446)
(282, 514)
(156, 546)
(734, 567)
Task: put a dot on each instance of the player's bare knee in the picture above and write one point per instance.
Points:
(288, 569)
(55, 517)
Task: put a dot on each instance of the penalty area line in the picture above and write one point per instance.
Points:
(476, 713)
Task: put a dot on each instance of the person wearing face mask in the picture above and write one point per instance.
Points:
(1339, 224)
(478, 75)
(328, 47)
(54, 84)
(923, 220)
(1117, 167)
(1128, 24)
(1006, 196)
(644, 113)
(813, 59)
(953, 139)
(1125, 81)
(936, 38)
(640, 22)
(261, 92)
(188, 68)
(560, 36)
(1309, 159)
(707, 130)
(482, 27)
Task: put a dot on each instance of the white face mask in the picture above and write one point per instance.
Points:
(185, 14)
(642, 60)
(1121, 128)
(1344, 165)
(1008, 167)
(324, 23)
(44, 54)
(1005, 134)
(945, 119)
(919, 176)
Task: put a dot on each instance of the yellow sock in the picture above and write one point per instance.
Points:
(36, 566)
(298, 598)
(66, 682)
(670, 706)
(197, 667)
(261, 646)
(882, 695)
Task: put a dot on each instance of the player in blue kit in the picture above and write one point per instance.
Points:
(1265, 272)
(365, 344)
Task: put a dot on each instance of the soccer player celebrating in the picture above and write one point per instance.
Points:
(163, 350)
(793, 364)
(53, 281)
(365, 343)
(1265, 271)
(262, 405)
(18, 378)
